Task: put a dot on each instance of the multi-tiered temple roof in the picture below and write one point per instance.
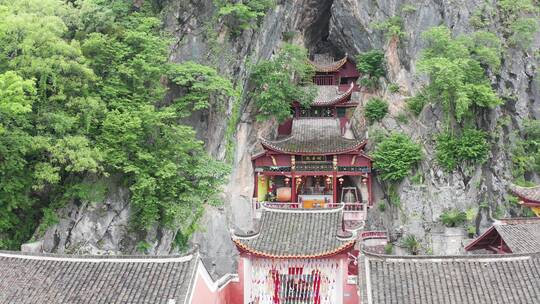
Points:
(297, 234)
(314, 136)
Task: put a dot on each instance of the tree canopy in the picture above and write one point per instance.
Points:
(81, 98)
(456, 69)
(285, 78)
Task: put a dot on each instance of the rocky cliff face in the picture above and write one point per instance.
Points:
(338, 27)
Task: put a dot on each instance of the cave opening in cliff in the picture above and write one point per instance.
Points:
(318, 31)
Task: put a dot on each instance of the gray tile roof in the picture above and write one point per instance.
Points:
(521, 238)
(325, 63)
(492, 279)
(328, 95)
(299, 233)
(314, 136)
(59, 279)
(529, 193)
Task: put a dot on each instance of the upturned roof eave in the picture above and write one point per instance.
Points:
(355, 148)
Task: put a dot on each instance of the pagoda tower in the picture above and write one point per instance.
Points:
(312, 190)
(318, 160)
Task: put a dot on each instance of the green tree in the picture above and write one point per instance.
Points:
(82, 92)
(371, 65)
(376, 108)
(453, 217)
(412, 244)
(395, 156)
(243, 15)
(455, 67)
(285, 78)
(470, 146)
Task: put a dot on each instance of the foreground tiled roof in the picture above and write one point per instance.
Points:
(297, 234)
(531, 194)
(58, 279)
(314, 136)
(493, 279)
(325, 63)
(328, 95)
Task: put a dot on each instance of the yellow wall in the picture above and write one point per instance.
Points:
(262, 188)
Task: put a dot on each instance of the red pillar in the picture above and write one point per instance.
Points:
(293, 189)
(370, 201)
(256, 188)
(334, 186)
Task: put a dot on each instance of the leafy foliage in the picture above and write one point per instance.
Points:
(243, 15)
(412, 244)
(523, 31)
(81, 90)
(376, 108)
(371, 65)
(392, 27)
(395, 155)
(453, 217)
(471, 147)
(284, 78)
(526, 152)
(199, 83)
(394, 88)
(455, 67)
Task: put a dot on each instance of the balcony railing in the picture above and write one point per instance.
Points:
(324, 80)
(351, 211)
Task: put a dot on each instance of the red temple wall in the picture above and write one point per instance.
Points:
(348, 70)
(349, 291)
(286, 127)
(207, 291)
(346, 160)
(265, 161)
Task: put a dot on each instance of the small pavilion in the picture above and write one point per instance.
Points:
(517, 235)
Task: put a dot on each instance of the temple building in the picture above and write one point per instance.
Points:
(529, 196)
(298, 256)
(318, 159)
(518, 235)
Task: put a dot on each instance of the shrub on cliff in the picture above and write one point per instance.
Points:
(376, 108)
(395, 156)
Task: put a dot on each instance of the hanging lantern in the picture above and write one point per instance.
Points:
(298, 180)
(364, 180)
(287, 180)
(341, 180)
(328, 180)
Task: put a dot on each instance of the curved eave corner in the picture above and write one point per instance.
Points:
(336, 100)
(271, 146)
(336, 65)
(245, 248)
(521, 193)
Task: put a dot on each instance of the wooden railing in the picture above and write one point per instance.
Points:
(324, 80)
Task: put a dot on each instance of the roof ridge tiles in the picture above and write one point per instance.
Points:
(471, 257)
(90, 258)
